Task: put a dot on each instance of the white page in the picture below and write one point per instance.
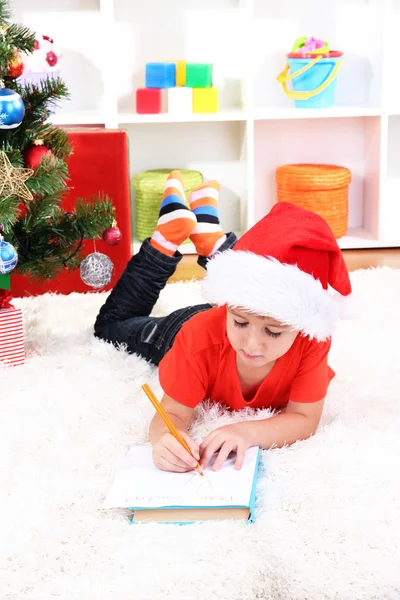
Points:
(139, 484)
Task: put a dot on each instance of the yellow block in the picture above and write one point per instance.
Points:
(205, 100)
(180, 73)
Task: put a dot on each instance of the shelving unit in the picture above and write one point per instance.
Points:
(106, 44)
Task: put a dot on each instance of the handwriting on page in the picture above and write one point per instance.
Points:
(140, 484)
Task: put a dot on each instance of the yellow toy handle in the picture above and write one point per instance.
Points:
(283, 78)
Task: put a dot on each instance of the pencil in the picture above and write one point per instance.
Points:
(172, 429)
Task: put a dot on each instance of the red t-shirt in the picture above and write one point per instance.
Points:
(202, 364)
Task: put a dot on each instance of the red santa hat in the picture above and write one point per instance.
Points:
(283, 268)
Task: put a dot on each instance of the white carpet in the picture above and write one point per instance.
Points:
(329, 508)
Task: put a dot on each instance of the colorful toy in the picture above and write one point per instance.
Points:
(304, 45)
(180, 73)
(160, 75)
(177, 87)
(205, 100)
(148, 101)
(179, 100)
(198, 75)
(312, 69)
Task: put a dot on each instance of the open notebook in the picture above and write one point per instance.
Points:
(158, 496)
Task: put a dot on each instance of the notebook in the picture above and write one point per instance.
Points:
(160, 496)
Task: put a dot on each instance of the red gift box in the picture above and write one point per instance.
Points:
(99, 164)
(12, 351)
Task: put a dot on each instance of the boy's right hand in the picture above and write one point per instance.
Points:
(169, 454)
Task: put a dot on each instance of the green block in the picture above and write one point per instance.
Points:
(5, 281)
(198, 75)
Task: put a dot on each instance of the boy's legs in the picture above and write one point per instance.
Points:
(124, 318)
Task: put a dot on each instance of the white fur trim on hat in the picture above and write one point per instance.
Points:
(267, 287)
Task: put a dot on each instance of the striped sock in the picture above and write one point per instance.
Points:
(176, 221)
(207, 235)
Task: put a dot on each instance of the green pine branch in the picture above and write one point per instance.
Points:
(5, 13)
(47, 238)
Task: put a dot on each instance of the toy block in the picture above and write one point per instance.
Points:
(160, 75)
(198, 75)
(205, 100)
(180, 72)
(148, 101)
(180, 100)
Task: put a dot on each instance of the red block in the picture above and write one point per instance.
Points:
(99, 163)
(148, 101)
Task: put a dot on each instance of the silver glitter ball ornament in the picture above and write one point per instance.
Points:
(96, 270)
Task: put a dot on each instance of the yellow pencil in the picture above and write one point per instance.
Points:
(171, 427)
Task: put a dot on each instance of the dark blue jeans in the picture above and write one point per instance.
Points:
(124, 319)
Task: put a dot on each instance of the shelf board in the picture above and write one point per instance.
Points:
(358, 238)
(279, 112)
(236, 114)
(83, 117)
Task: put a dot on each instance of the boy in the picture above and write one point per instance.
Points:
(264, 343)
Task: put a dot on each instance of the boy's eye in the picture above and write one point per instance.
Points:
(239, 324)
(271, 333)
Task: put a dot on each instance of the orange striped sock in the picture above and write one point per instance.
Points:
(176, 221)
(207, 235)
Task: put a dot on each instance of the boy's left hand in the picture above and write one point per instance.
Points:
(227, 439)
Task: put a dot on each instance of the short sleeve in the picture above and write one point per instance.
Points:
(313, 374)
(182, 374)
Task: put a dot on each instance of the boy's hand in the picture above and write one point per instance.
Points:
(226, 440)
(169, 454)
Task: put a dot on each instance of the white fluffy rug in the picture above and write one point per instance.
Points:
(328, 511)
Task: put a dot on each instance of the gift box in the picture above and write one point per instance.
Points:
(99, 163)
(12, 351)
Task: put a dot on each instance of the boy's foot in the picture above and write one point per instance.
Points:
(176, 221)
(207, 235)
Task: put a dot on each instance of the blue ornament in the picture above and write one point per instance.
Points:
(12, 109)
(8, 257)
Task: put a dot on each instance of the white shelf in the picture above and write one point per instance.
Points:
(284, 112)
(225, 115)
(83, 117)
(258, 128)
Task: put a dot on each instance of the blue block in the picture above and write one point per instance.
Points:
(160, 75)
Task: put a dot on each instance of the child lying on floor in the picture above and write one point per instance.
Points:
(263, 340)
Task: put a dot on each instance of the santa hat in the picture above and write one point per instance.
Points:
(283, 268)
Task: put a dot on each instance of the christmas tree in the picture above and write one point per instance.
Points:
(46, 238)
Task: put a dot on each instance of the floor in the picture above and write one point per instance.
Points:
(355, 259)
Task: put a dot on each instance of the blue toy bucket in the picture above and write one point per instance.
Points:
(313, 79)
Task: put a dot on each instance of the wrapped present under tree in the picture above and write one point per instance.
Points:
(12, 351)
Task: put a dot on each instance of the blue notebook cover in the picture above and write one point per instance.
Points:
(251, 504)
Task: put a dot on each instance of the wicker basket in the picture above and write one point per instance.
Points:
(149, 188)
(322, 189)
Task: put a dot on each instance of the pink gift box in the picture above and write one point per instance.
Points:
(12, 350)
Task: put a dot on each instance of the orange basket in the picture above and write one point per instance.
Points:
(322, 189)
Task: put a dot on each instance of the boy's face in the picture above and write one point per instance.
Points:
(257, 340)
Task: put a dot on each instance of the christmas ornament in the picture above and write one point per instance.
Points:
(45, 57)
(12, 108)
(112, 235)
(34, 154)
(8, 256)
(12, 179)
(96, 270)
(16, 66)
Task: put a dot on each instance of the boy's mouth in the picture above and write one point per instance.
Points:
(250, 356)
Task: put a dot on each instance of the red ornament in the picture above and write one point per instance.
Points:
(16, 66)
(112, 236)
(34, 154)
(51, 59)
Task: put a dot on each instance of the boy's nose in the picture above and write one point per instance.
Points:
(253, 344)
